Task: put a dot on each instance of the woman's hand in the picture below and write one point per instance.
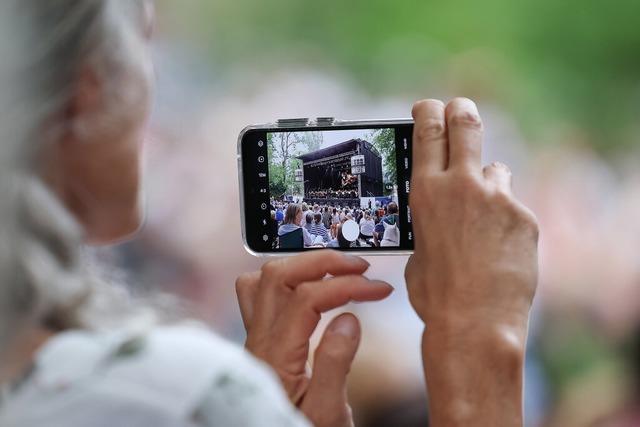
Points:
(281, 306)
(473, 274)
(475, 256)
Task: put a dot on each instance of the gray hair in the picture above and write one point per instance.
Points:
(44, 279)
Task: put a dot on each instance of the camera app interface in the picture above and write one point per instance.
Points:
(334, 189)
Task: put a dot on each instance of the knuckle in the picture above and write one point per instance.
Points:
(430, 128)
(502, 199)
(304, 293)
(530, 222)
(271, 268)
(331, 256)
(241, 281)
(333, 354)
(466, 120)
(523, 217)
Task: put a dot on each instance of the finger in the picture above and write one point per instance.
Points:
(326, 400)
(499, 175)
(280, 278)
(246, 290)
(465, 135)
(311, 266)
(335, 292)
(429, 137)
(314, 298)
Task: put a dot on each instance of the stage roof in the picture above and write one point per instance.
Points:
(335, 150)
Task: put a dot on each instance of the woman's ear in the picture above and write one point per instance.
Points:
(94, 163)
(88, 96)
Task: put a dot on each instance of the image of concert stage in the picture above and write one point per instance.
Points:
(331, 177)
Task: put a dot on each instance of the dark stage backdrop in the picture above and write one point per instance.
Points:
(323, 169)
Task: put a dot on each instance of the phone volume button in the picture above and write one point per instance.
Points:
(288, 123)
(325, 121)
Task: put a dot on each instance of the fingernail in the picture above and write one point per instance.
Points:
(345, 325)
(383, 284)
(355, 260)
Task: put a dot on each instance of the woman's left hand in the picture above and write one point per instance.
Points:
(281, 306)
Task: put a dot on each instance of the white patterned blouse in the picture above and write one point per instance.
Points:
(178, 376)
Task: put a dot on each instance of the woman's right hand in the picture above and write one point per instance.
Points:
(473, 274)
(281, 306)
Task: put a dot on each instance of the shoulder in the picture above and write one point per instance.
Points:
(159, 377)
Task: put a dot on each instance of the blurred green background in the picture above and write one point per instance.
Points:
(558, 86)
(549, 62)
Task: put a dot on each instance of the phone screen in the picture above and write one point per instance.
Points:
(340, 187)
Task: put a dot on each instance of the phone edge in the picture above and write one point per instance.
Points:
(310, 124)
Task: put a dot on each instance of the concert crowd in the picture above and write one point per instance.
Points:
(302, 225)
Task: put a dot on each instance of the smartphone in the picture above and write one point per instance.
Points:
(307, 184)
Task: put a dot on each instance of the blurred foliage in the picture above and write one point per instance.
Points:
(569, 64)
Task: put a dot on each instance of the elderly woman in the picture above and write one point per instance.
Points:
(75, 83)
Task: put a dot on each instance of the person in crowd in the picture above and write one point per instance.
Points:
(391, 235)
(339, 241)
(318, 229)
(75, 92)
(335, 221)
(326, 217)
(273, 228)
(292, 219)
(308, 221)
(279, 214)
(392, 210)
(366, 227)
(387, 229)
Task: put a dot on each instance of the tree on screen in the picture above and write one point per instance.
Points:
(282, 149)
(384, 140)
(312, 141)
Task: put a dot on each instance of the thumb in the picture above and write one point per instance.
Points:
(326, 397)
(500, 175)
